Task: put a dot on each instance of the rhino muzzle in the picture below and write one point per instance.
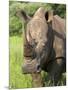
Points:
(31, 67)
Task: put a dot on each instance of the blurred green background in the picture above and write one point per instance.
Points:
(17, 79)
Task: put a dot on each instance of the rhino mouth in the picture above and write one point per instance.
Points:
(31, 67)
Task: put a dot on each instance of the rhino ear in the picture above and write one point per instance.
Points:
(23, 16)
(49, 16)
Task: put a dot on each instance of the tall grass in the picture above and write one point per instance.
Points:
(17, 79)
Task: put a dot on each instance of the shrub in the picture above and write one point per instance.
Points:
(14, 25)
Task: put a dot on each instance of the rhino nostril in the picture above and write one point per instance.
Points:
(38, 68)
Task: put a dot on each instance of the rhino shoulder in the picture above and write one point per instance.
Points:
(59, 25)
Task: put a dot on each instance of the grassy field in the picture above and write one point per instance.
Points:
(17, 79)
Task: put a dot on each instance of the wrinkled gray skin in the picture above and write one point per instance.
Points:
(45, 43)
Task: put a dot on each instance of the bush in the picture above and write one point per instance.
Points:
(15, 25)
(59, 9)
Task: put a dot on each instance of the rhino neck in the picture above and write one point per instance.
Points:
(48, 48)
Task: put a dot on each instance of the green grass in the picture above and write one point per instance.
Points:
(17, 79)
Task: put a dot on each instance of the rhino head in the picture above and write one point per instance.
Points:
(39, 36)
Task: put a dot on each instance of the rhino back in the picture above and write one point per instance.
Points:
(59, 29)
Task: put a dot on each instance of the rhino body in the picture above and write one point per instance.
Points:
(45, 43)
